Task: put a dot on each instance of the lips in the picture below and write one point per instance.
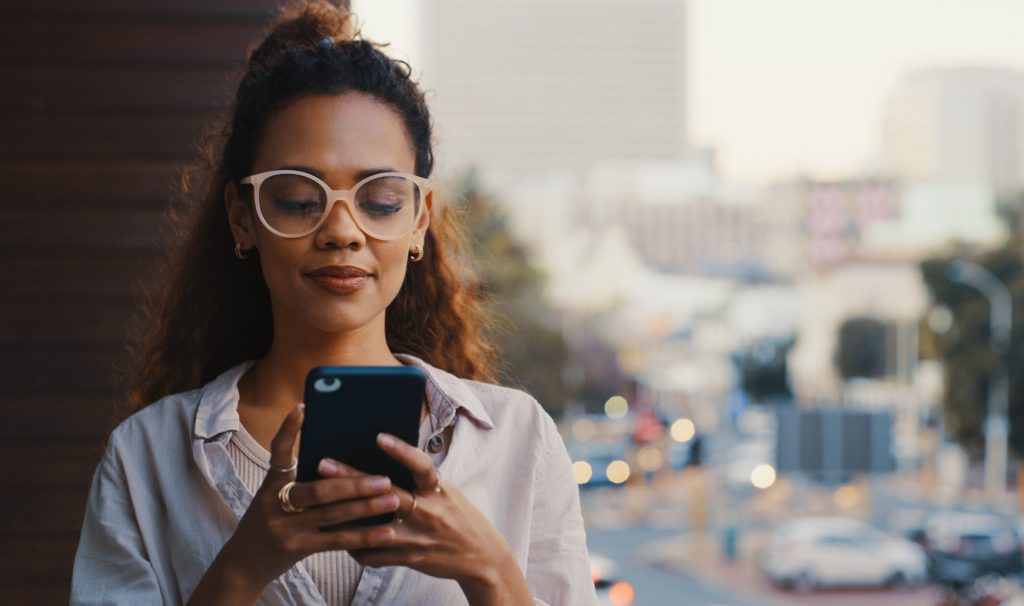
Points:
(340, 280)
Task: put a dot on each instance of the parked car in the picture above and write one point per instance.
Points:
(599, 455)
(808, 553)
(963, 546)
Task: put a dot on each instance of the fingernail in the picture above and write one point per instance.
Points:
(380, 483)
(387, 502)
(385, 440)
(328, 466)
(302, 407)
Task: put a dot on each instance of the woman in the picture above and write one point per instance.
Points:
(194, 499)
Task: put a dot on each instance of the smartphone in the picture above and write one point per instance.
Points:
(346, 407)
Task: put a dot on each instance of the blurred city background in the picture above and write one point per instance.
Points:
(761, 260)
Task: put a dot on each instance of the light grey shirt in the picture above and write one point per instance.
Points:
(165, 497)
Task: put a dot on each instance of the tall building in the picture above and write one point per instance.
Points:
(532, 86)
(957, 125)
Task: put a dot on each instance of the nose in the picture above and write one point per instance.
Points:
(340, 229)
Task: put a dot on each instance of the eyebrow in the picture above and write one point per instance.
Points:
(369, 172)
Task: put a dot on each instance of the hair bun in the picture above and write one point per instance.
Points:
(304, 25)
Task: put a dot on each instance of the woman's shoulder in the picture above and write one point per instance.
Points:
(167, 416)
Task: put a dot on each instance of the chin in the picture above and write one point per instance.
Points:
(342, 318)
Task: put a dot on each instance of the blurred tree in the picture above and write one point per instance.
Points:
(862, 348)
(763, 371)
(531, 353)
(965, 349)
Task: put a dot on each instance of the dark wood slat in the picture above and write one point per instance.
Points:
(37, 559)
(149, 8)
(111, 89)
(42, 512)
(96, 183)
(52, 416)
(68, 275)
(54, 591)
(86, 39)
(63, 321)
(84, 229)
(60, 371)
(99, 135)
(45, 464)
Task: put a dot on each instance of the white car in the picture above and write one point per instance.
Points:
(807, 553)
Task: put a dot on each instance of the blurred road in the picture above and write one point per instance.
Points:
(654, 585)
(685, 582)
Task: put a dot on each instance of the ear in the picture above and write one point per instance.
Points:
(419, 234)
(240, 217)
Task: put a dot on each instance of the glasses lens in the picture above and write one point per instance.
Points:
(292, 204)
(387, 206)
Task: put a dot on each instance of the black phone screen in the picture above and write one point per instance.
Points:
(346, 407)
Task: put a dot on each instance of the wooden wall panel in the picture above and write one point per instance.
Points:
(101, 104)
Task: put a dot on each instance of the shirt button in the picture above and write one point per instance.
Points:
(435, 444)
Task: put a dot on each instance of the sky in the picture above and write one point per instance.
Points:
(780, 88)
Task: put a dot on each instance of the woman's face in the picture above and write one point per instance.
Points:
(338, 138)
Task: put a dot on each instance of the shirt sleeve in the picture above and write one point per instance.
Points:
(111, 566)
(558, 565)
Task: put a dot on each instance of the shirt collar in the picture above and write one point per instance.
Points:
(451, 389)
(218, 404)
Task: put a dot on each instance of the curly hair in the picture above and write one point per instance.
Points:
(204, 311)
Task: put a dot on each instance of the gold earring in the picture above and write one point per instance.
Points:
(416, 253)
(238, 251)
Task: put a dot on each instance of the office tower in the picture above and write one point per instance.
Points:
(957, 126)
(532, 86)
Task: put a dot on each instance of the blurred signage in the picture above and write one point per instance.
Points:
(831, 445)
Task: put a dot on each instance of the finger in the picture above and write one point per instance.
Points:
(423, 471)
(282, 447)
(348, 539)
(346, 511)
(336, 469)
(330, 490)
(382, 556)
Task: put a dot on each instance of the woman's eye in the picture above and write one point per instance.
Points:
(380, 209)
(298, 206)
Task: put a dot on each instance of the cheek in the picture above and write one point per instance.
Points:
(392, 268)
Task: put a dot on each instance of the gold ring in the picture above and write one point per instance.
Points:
(283, 498)
(294, 466)
(402, 519)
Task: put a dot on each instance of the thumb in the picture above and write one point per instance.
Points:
(282, 447)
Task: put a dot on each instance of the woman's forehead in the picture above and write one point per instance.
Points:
(339, 135)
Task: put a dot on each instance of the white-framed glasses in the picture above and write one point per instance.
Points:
(293, 204)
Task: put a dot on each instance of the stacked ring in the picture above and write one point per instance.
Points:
(294, 466)
(402, 519)
(283, 498)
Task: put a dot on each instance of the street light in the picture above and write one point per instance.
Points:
(1000, 325)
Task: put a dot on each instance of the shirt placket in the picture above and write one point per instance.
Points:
(294, 586)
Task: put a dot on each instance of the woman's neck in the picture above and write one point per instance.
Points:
(277, 380)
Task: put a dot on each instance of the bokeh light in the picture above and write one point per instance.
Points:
(617, 472)
(616, 407)
(621, 594)
(649, 458)
(846, 497)
(763, 476)
(683, 430)
(584, 430)
(583, 472)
